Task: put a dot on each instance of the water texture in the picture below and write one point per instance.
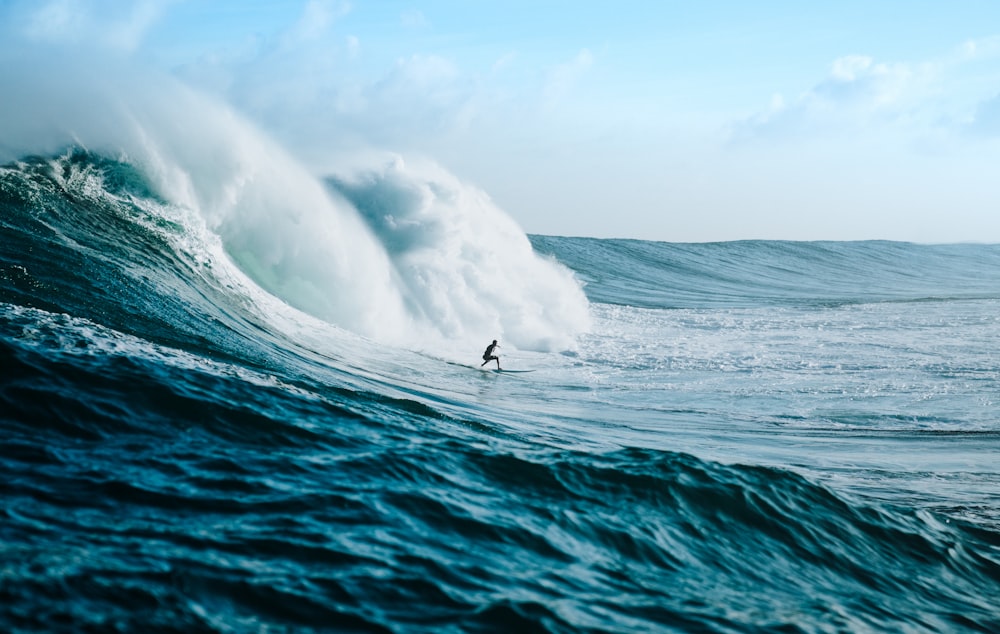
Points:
(210, 424)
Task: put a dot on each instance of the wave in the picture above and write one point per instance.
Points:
(762, 272)
(440, 266)
(281, 505)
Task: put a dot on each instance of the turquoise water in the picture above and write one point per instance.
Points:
(206, 432)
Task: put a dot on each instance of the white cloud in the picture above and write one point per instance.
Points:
(563, 77)
(505, 61)
(106, 23)
(421, 93)
(858, 92)
(983, 48)
(353, 46)
(281, 77)
(414, 19)
(316, 20)
(986, 120)
(953, 95)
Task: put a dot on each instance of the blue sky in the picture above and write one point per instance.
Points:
(664, 120)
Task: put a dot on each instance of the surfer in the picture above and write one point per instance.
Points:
(489, 356)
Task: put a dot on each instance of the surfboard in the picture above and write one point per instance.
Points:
(504, 371)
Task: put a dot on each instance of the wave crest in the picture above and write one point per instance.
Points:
(463, 265)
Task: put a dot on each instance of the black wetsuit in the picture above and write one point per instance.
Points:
(489, 356)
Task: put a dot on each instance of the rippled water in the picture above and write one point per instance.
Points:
(750, 437)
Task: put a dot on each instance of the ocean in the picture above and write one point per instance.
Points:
(247, 399)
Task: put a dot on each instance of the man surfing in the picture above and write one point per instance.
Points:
(489, 356)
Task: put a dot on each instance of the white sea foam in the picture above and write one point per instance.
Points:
(463, 264)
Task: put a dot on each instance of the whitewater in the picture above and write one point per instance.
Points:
(242, 393)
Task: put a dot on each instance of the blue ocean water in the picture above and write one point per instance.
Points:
(246, 399)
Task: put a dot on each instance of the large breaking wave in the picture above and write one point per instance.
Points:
(398, 251)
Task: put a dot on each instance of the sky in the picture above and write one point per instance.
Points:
(673, 121)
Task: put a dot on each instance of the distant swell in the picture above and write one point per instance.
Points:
(753, 273)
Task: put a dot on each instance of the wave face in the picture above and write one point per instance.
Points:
(204, 430)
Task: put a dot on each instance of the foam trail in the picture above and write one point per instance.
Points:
(428, 259)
